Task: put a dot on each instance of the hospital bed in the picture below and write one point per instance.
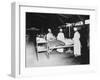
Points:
(57, 44)
(49, 46)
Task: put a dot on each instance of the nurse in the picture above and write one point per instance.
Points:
(50, 36)
(77, 43)
(61, 36)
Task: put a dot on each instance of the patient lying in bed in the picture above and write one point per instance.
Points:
(55, 43)
(58, 43)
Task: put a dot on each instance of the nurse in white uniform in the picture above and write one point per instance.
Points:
(61, 37)
(77, 43)
(50, 36)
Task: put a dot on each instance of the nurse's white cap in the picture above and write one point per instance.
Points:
(75, 29)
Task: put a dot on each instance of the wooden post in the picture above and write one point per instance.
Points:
(69, 31)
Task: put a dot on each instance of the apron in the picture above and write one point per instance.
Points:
(60, 37)
(77, 44)
(50, 37)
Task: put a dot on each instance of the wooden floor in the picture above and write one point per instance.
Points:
(54, 59)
